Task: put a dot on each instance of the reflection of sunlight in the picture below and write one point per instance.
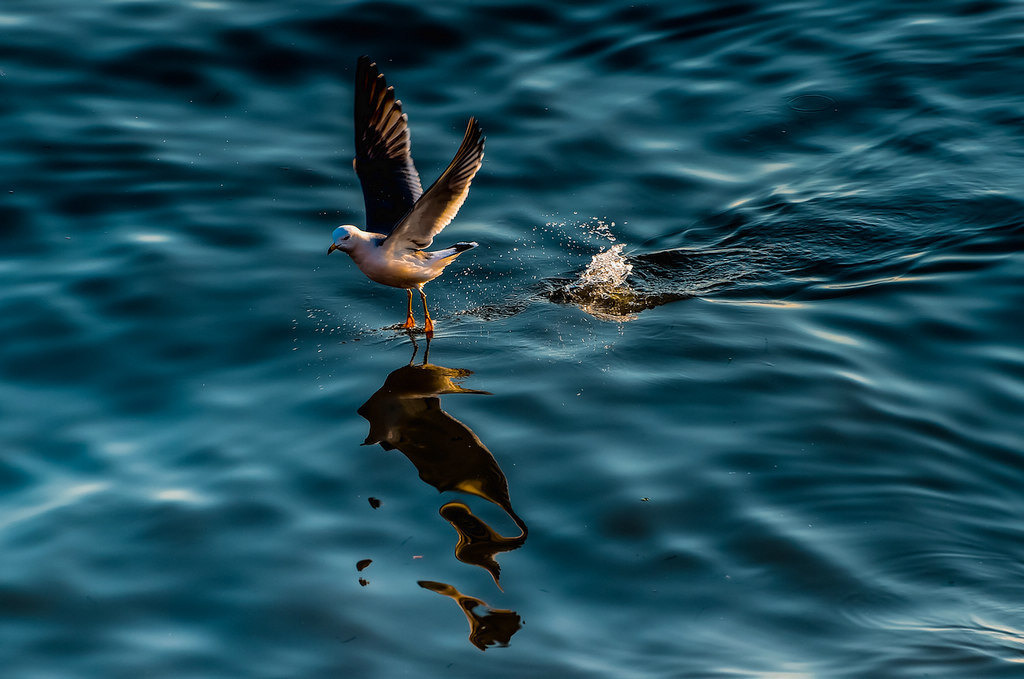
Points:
(178, 495)
(1008, 638)
(799, 674)
(704, 173)
(777, 303)
(150, 238)
(1003, 633)
(785, 190)
(854, 376)
(65, 497)
(659, 144)
(834, 337)
(738, 202)
(863, 284)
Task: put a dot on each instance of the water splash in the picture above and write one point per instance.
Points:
(608, 269)
(602, 289)
(615, 286)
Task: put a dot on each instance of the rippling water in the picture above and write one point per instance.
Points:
(733, 387)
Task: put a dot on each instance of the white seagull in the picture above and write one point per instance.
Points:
(402, 220)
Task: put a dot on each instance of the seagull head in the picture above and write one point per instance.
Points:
(345, 238)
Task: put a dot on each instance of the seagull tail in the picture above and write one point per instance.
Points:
(455, 250)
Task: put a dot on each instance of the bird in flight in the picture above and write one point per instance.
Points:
(402, 219)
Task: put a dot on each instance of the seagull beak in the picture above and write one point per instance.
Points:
(334, 246)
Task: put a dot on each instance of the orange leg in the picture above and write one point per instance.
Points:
(428, 324)
(410, 322)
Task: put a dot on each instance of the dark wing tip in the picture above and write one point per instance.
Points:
(470, 154)
(381, 129)
(383, 160)
(478, 132)
(366, 68)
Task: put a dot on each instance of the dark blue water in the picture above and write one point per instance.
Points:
(748, 304)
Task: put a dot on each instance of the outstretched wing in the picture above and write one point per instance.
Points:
(438, 206)
(391, 185)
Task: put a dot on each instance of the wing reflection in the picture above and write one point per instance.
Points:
(495, 626)
(478, 542)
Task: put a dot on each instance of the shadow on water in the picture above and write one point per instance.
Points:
(405, 414)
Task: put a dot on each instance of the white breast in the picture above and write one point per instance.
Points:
(407, 271)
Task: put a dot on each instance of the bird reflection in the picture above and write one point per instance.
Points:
(495, 626)
(478, 542)
(405, 414)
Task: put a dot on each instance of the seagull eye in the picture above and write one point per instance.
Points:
(346, 237)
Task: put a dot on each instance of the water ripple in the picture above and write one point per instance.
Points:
(746, 305)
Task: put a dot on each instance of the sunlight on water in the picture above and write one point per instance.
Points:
(781, 304)
(62, 498)
(834, 337)
(178, 495)
(796, 674)
(151, 238)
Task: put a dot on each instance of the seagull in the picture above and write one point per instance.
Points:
(402, 219)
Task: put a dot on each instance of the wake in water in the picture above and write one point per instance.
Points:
(616, 286)
(816, 245)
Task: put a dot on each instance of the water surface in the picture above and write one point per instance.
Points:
(746, 309)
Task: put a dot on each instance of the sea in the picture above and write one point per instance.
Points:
(733, 387)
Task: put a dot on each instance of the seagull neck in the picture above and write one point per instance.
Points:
(364, 247)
